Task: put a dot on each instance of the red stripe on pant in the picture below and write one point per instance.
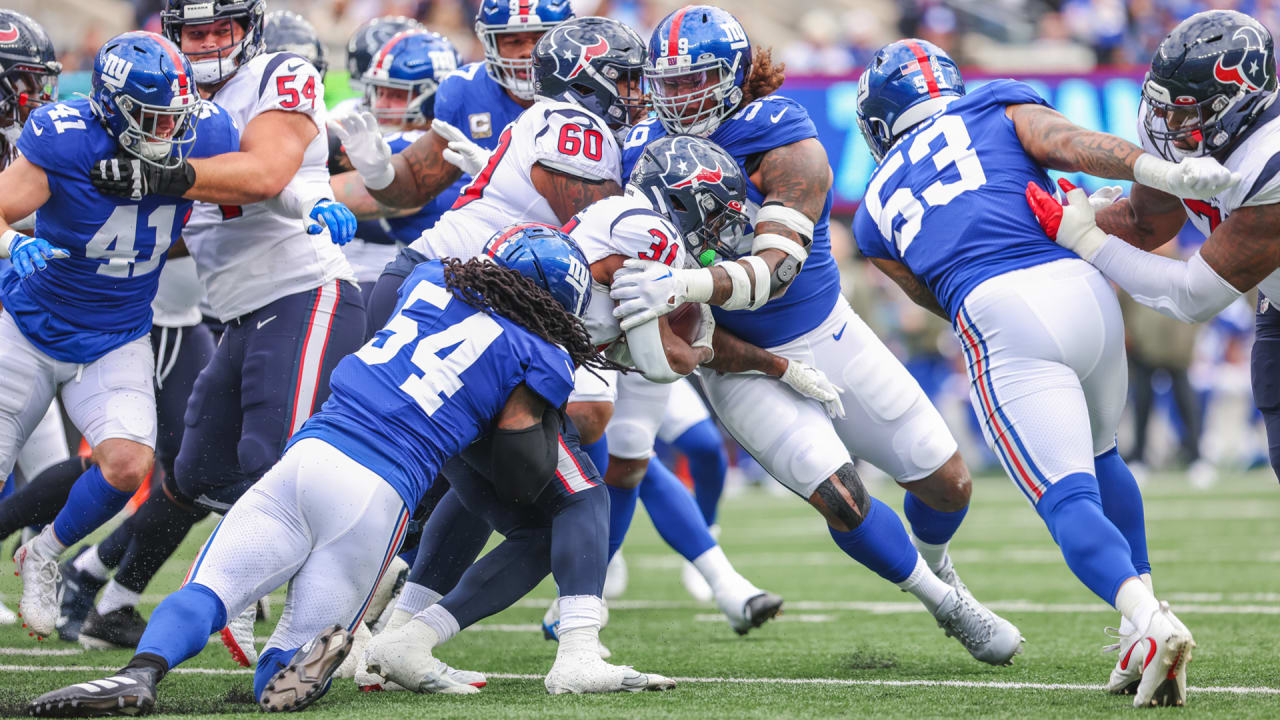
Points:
(311, 364)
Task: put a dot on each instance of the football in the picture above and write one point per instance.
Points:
(686, 321)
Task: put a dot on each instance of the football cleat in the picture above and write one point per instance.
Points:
(947, 574)
(132, 691)
(551, 626)
(237, 636)
(359, 640)
(7, 616)
(41, 590)
(615, 577)
(78, 592)
(403, 656)
(307, 676)
(585, 672)
(751, 614)
(987, 636)
(387, 588)
(1159, 654)
(120, 628)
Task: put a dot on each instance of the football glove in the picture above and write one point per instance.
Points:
(813, 383)
(646, 290)
(368, 152)
(127, 176)
(325, 213)
(1200, 178)
(463, 154)
(29, 254)
(1072, 225)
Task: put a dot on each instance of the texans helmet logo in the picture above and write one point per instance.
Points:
(9, 35)
(588, 54)
(701, 175)
(1247, 66)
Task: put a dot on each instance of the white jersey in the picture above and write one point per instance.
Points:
(625, 225)
(1257, 159)
(247, 256)
(558, 135)
(177, 301)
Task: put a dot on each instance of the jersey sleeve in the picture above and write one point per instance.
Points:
(647, 235)
(550, 373)
(448, 100)
(292, 84)
(641, 135)
(216, 132)
(55, 137)
(765, 124)
(1264, 187)
(865, 232)
(1012, 92)
(575, 142)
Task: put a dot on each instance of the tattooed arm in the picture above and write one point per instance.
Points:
(421, 174)
(1059, 144)
(911, 285)
(1146, 219)
(735, 355)
(349, 190)
(569, 194)
(1244, 249)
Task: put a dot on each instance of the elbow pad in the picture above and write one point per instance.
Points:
(795, 221)
(644, 342)
(523, 461)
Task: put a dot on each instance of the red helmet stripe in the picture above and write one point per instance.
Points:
(673, 40)
(922, 59)
(175, 56)
(511, 231)
(525, 7)
(386, 49)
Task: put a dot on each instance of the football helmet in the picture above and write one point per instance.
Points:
(700, 188)
(369, 38)
(547, 257)
(28, 71)
(585, 60)
(286, 31)
(496, 17)
(410, 65)
(699, 60)
(905, 82)
(249, 14)
(144, 94)
(1210, 78)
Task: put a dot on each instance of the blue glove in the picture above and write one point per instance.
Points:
(335, 216)
(30, 254)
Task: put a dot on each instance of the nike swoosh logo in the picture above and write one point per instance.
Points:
(776, 118)
(264, 322)
(664, 277)
(36, 129)
(295, 66)
(840, 334)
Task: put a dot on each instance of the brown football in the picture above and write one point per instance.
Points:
(685, 321)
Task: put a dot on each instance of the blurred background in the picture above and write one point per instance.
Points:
(1190, 406)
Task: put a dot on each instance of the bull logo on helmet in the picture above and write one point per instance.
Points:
(9, 35)
(700, 175)
(1245, 67)
(588, 54)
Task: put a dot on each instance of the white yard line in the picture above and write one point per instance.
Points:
(887, 608)
(734, 680)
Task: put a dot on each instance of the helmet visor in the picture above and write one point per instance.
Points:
(158, 134)
(1179, 128)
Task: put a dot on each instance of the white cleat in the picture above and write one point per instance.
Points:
(745, 613)
(987, 636)
(579, 673)
(695, 584)
(1159, 654)
(947, 574)
(7, 616)
(359, 640)
(41, 590)
(386, 589)
(615, 577)
(403, 656)
(551, 626)
(237, 636)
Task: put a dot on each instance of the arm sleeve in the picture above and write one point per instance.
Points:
(549, 373)
(577, 143)
(1189, 291)
(291, 83)
(867, 235)
(524, 460)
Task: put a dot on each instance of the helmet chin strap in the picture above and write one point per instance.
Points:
(209, 72)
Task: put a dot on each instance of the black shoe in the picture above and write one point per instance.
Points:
(132, 691)
(79, 590)
(761, 609)
(120, 628)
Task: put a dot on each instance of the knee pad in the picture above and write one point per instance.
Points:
(845, 496)
(630, 439)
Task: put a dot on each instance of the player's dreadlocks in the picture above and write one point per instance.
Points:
(503, 291)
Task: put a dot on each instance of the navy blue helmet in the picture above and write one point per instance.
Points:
(28, 71)
(585, 60)
(287, 31)
(547, 257)
(246, 42)
(369, 38)
(699, 60)
(905, 82)
(1209, 80)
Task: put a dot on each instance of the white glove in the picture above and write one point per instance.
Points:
(705, 332)
(1105, 197)
(1200, 178)
(368, 152)
(646, 290)
(813, 383)
(463, 154)
(1072, 225)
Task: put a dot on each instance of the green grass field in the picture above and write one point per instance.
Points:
(848, 645)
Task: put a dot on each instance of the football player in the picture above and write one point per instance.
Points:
(287, 31)
(77, 300)
(779, 289)
(258, 238)
(341, 494)
(1041, 330)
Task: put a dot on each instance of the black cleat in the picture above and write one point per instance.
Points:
(132, 691)
(120, 628)
(307, 676)
(79, 590)
(760, 609)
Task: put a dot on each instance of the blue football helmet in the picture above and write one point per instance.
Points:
(496, 17)
(408, 68)
(368, 39)
(144, 94)
(699, 59)
(226, 60)
(905, 82)
(549, 258)
(287, 31)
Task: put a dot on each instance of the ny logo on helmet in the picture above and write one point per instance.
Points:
(588, 54)
(115, 70)
(1246, 66)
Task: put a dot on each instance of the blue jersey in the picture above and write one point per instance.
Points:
(761, 126)
(430, 382)
(948, 201)
(83, 307)
(476, 104)
(404, 230)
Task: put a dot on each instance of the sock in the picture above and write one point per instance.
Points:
(441, 621)
(674, 513)
(708, 463)
(598, 451)
(718, 571)
(577, 611)
(89, 562)
(1136, 603)
(880, 543)
(1122, 504)
(116, 596)
(1126, 627)
(181, 625)
(46, 544)
(622, 506)
(415, 598)
(39, 501)
(931, 529)
(926, 586)
(91, 503)
(271, 661)
(1094, 549)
